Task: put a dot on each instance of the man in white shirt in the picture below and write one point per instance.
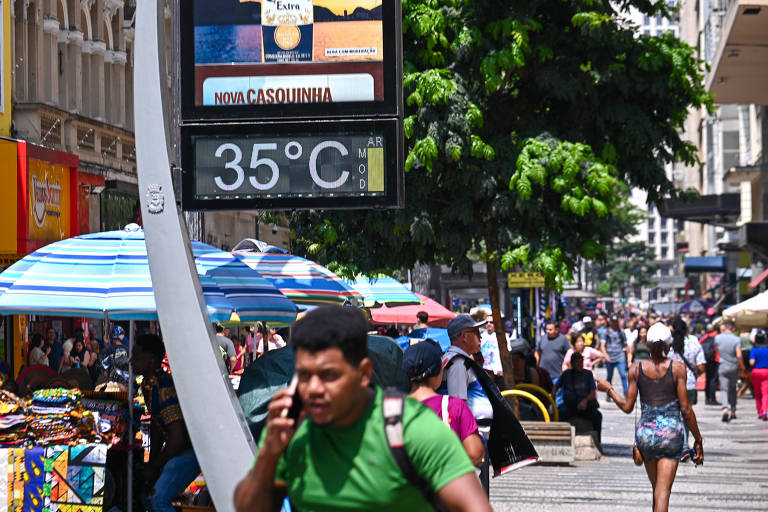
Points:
(630, 332)
(489, 346)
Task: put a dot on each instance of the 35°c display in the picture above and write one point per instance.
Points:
(290, 166)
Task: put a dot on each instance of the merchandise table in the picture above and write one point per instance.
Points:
(53, 478)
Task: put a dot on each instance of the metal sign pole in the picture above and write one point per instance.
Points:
(215, 421)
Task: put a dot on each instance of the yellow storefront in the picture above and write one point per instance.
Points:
(39, 202)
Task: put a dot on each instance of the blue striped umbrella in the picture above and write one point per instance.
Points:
(303, 281)
(107, 273)
(383, 290)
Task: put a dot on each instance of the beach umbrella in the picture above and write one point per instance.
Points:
(106, 274)
(750, 313)
(439, 316)
(696, 306)
(383, 290)
(303, 281)
(253, 245)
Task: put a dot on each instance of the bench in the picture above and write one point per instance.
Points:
(553, 440)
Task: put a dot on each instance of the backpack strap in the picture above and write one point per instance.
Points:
(444, 410)
(392, 409)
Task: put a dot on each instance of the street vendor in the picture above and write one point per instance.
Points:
(172, 463)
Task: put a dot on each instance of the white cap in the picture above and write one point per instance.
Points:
(659, 332)
(587, 319)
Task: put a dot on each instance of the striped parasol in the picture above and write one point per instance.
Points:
(107, 273)
(303, 281)
(377, 291)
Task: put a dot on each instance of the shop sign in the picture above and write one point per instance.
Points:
(525, 280)
(48, 186)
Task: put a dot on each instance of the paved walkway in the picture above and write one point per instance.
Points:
(734, 476)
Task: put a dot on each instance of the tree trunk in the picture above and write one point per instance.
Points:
(491, 263)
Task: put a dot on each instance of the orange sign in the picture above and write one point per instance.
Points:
(49, 201)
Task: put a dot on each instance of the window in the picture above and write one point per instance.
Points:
(646, 20)
(663, 237)
(651, 238)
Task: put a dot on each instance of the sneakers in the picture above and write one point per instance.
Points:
(686, 455)
(726, 415)
(763, 416)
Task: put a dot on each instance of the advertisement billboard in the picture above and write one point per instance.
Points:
(291, 165)
(48, 188)
(251, 59)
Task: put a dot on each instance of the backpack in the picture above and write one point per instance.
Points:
(508, 445)
(392, 409)
(708, 346)
(225, 357)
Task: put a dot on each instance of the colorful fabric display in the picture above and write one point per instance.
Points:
(53, 479)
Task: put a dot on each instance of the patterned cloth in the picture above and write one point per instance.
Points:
(161, 399)
(53, 479)
(693, 354)
(659, 434)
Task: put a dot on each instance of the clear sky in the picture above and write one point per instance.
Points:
(338, 6)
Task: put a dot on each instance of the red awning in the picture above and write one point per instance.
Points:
(759, 279)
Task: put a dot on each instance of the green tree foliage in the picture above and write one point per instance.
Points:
(526, 124)
(626, 265)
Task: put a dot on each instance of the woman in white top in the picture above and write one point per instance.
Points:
(274, 342)
(591, 355)
(38, 354)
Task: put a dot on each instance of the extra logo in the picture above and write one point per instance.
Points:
(46, 200)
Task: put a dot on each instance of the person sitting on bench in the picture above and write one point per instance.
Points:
(579, 394)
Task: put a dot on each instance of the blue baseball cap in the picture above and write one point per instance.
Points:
(422, 360)
(461, 322)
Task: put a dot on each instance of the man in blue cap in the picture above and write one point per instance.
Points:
(461, 381)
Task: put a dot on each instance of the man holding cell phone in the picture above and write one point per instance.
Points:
(335, 454)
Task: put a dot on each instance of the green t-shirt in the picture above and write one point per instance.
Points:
(352, 468)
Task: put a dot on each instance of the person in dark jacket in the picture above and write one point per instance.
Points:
(579, 394)
(712, 366)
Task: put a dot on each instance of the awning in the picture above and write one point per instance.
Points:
(716, 209)
(759, 279)
(705, 264)
(575, 294)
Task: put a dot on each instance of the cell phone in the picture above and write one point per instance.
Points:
(692, 453)
(296, 404)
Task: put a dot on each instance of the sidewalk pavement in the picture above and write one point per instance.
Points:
(734, 475)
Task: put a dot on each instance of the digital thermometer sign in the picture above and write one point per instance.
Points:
(292, 168)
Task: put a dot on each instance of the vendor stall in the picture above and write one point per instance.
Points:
(106, 276)
(54, 450)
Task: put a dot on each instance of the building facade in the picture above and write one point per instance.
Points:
(730, 219)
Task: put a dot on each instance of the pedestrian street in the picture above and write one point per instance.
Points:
(734, 476)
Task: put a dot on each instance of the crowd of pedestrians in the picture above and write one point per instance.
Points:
(374, 438)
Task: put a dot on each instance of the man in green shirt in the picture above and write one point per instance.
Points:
(338, 457)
